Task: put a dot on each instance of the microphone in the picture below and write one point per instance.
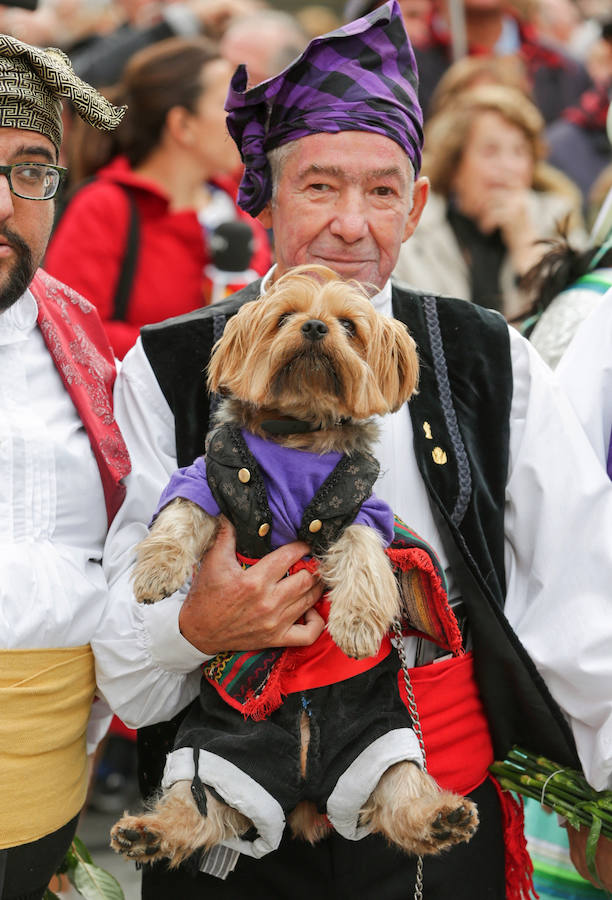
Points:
(231, 246)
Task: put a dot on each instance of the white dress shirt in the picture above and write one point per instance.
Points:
(53, 522)
(557, 554)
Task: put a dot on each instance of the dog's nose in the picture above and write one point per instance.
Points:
(314, 330)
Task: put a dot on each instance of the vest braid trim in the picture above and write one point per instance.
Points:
(448, 409)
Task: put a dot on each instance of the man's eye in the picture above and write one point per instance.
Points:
(384, 191)
(32, 174)
(319, 187)
(349, 326)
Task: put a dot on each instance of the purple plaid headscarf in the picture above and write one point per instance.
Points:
(361, 77)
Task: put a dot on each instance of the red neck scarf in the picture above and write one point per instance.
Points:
(79, 347)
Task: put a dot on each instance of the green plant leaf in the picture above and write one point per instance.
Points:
(94, 883)
(49, 895)
(591, 850)
(81, 850)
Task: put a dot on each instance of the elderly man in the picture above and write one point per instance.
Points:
(61, 459)
(487, 464)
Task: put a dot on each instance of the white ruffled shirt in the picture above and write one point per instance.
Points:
(53, 523)
(558, 554)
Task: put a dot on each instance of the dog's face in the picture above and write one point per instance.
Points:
(314, 347)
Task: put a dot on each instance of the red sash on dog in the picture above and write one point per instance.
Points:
(255, 682)
(78, 344)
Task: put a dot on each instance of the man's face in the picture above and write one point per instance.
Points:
(345, 201)
(25, 225)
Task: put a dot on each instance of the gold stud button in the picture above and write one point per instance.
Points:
(439, 456)
(263, 529)
(244, 476)
(315, 525)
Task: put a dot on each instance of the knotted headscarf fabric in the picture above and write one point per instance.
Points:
(360, 77)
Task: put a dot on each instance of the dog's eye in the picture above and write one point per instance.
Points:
(349, 326)
(282, 319)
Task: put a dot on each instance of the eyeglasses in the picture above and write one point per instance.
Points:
(33, 181)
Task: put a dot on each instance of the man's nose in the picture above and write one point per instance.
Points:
(6, 199)
(350, 220)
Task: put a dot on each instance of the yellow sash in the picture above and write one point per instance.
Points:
(45, 701)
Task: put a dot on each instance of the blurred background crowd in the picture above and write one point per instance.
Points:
(516, 96)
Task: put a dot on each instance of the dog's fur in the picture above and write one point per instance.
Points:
(365, 364)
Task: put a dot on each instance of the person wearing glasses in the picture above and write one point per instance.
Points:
(62, 459)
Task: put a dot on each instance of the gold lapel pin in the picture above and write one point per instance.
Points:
(439, 456)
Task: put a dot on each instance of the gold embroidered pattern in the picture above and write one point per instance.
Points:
(32, 83)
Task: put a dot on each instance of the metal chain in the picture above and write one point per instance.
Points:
(416, 724)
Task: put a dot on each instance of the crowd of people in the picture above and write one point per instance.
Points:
(161, 165)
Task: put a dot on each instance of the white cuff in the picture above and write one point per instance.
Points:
(356, 784)
(169, 649)
(238, 790)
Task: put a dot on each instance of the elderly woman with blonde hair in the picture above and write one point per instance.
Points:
(493, 199)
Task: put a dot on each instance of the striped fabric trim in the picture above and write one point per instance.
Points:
(597, 283)
(219, 861)
(424, 590)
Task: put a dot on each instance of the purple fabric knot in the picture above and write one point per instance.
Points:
(247, 126)
(361, 77)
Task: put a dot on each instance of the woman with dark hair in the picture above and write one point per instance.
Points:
(162, 184)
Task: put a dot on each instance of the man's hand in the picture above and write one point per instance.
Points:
(231, 608)
(603, 858)
(508, 210)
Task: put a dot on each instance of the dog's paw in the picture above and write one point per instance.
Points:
(153, 582)
(437, 825)
(357, 637)
(409, 809)
(135, 838)
(455, 823)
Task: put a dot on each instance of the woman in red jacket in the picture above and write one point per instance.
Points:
(164, 181)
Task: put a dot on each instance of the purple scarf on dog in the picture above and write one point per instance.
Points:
(361, 77)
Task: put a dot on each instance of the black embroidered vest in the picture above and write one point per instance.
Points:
(460, 420)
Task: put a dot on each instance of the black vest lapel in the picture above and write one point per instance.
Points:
(460, 419)
(179, 350)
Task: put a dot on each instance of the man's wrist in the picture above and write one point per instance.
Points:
(170, 648)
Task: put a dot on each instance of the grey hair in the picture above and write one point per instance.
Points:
(279, 156)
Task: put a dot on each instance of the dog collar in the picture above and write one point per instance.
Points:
(288, 426)
(294, 426)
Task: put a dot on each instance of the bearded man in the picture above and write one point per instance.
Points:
(61, 463)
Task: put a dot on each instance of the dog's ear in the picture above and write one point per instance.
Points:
(228, 354)
(394, 359)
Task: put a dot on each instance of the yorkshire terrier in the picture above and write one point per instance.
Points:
(302, 372)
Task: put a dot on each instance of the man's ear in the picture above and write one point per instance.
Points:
(419, 199)
(265, 216)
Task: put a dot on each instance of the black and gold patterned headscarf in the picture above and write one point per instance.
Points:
(33, 82)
